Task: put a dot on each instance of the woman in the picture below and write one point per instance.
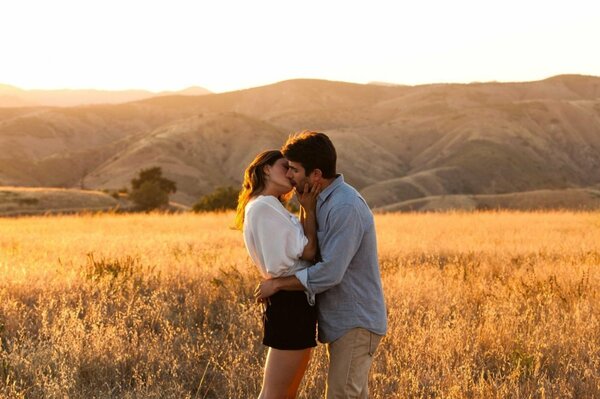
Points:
(280, 245)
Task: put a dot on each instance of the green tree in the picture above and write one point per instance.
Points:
(223, 198)
(154, 174)
(150, 190)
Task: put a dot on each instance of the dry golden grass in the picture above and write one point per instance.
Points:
(481, 305)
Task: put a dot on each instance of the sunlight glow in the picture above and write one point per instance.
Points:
(229, 45)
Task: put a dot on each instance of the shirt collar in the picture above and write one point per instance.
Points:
(338, 181)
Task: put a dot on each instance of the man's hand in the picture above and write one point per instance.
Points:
(265, 289)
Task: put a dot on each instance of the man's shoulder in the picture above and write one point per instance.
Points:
(345, 201)
(345, 194)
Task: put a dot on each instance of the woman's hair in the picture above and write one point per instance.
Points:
(255, 182)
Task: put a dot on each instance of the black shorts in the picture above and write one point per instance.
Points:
(290, 323)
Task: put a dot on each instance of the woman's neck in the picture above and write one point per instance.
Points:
(270, 190)
(266, 191)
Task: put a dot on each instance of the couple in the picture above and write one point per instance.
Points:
(322, 266)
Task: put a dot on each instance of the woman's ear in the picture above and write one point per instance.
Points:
(267, 170)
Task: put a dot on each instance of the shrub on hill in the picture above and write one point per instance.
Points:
(150, 190)
(154, 174)
(223, 198)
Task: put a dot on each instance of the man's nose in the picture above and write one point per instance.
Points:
(288, 174)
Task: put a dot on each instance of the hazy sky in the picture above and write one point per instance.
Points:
(226, 45)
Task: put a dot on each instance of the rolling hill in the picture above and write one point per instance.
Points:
(11, 96)
(15, 201)
(430, 143)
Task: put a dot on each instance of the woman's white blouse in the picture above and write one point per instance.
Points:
(274, 237)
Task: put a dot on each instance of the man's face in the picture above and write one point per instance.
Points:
(297, 176)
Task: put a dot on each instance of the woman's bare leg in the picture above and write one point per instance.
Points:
(284, 370)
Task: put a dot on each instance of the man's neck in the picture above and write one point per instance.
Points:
(326, 183)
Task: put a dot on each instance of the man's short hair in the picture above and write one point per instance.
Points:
(312, 150)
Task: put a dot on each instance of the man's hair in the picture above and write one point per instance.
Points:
(312, 150)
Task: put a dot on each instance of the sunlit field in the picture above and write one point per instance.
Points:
(481, 305)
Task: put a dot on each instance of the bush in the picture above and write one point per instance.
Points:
(223, 198)
(150, 190)
(28, 201)
(149, 196)
(154, 174)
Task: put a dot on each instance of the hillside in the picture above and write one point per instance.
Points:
(32, 201)
(11, 96)
(395, 143)
(199, 153)
(580, 199)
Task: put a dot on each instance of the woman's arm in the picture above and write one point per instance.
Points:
(308, 217)
(309, 224)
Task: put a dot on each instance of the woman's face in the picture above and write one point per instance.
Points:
(277, 176)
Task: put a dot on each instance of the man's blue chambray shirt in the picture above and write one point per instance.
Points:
(346, 281)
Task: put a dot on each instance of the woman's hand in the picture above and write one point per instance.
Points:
(308, 198)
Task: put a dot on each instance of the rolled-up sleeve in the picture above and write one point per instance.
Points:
(338, 243)
(302, 275)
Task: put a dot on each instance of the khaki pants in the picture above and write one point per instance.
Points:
(350, 359)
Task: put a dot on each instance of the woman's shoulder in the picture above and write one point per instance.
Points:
(262, 200)
(264, 203)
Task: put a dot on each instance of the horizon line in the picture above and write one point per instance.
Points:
(371, 82)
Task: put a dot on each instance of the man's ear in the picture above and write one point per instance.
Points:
(316, 175)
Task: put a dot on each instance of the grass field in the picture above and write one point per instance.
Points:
(481, 305)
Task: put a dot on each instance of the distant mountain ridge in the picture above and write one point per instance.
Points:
(11, 96)
(403, 147)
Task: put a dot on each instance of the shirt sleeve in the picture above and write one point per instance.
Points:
(279, 242)
(339, 243)
(302, 275)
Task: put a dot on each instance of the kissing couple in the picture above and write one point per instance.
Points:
(319, 268)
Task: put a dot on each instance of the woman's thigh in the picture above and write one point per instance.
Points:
(284, 370)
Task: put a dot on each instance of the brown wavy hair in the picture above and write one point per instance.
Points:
(255, 182)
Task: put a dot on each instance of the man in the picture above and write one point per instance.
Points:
(346, 279)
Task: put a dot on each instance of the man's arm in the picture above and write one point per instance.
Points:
(266, 288)
(340, 243)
